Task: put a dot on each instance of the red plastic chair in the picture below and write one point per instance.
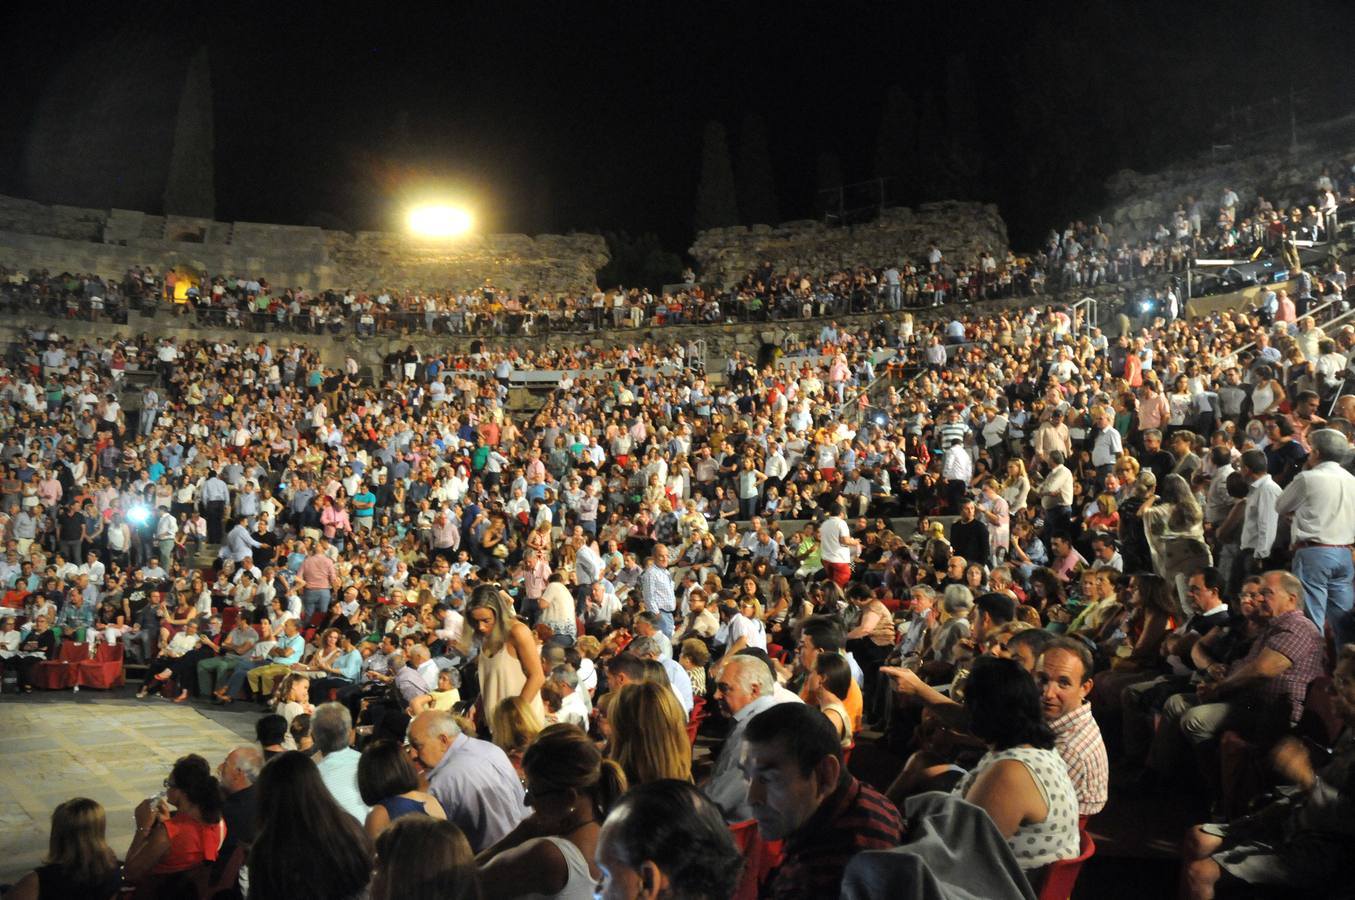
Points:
(229, 616)
(104, 671)
(1060, 877)
(696, 718)
(1243, 771)
(759, 858)
(62, 672)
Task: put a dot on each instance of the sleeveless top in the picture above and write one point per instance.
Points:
(191, 843)
(1041, 843)
(501, 676)
(580, 885)
(54, 884)
(1262, 397)
(846, 718)
(397, 807)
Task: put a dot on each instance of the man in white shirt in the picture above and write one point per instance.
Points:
(1056, 493)
(166, 529)
(957, 467)
(835, 543)
(93, 568)
(564, 681)
(422, 660)
(587, 563)
(1320, 501)
(1106, 446)
(1260, 517)
(601, 604)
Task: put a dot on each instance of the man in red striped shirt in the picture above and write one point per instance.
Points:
(800, 792)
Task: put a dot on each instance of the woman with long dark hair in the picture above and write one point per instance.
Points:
(306, 846)
(169, 843)
(389, 784)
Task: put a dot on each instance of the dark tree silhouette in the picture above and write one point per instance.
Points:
(757, 183)
(716, 202)
(190, 188)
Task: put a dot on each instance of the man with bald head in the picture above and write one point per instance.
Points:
(1345, 408)
(238, 772)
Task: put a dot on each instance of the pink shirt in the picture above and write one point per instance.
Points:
(316, 573)
(1153, 412)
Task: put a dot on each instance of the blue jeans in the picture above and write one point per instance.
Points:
(237, 680)
(314, 600)
(666, 622)
(1326, 574)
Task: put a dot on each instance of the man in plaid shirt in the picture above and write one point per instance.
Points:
(1064, 673)
(800, 792)
(1262, 694)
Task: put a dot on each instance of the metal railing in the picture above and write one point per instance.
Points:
(1329, 305)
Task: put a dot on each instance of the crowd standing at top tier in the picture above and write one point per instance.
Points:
(1081, 256)
(490, 637)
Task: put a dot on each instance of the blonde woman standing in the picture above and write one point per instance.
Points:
(509, 663)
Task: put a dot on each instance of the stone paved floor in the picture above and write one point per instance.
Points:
(116, 751)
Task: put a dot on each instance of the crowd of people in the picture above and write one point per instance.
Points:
(1080, 256)
(488, 641)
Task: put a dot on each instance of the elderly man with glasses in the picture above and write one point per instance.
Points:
(1261, 694)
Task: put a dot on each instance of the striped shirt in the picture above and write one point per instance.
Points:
(853, 818)
(1077, 737)
(951, 431)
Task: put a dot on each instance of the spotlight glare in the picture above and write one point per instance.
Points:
(439, 221)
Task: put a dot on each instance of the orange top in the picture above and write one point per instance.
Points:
(191, 843)
(853, 703)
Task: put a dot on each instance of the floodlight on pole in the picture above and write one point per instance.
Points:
(439, 221)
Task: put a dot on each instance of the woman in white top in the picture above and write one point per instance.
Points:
(1022, 781)
(572, 788)
(1017, 486)
(1179, 403)
(1268, 393)
(746, 628)
(294, 699)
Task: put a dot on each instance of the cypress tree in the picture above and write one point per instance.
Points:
(716, 202)
(190, 186)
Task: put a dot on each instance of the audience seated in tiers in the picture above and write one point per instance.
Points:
(1079, 256)
(478, 625)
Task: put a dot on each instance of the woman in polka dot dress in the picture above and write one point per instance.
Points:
(1021, 781)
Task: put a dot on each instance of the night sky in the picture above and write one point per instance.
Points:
(583, 116)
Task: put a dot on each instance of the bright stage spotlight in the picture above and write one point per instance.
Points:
(439, 221)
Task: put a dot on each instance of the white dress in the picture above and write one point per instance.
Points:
(1040, 843)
